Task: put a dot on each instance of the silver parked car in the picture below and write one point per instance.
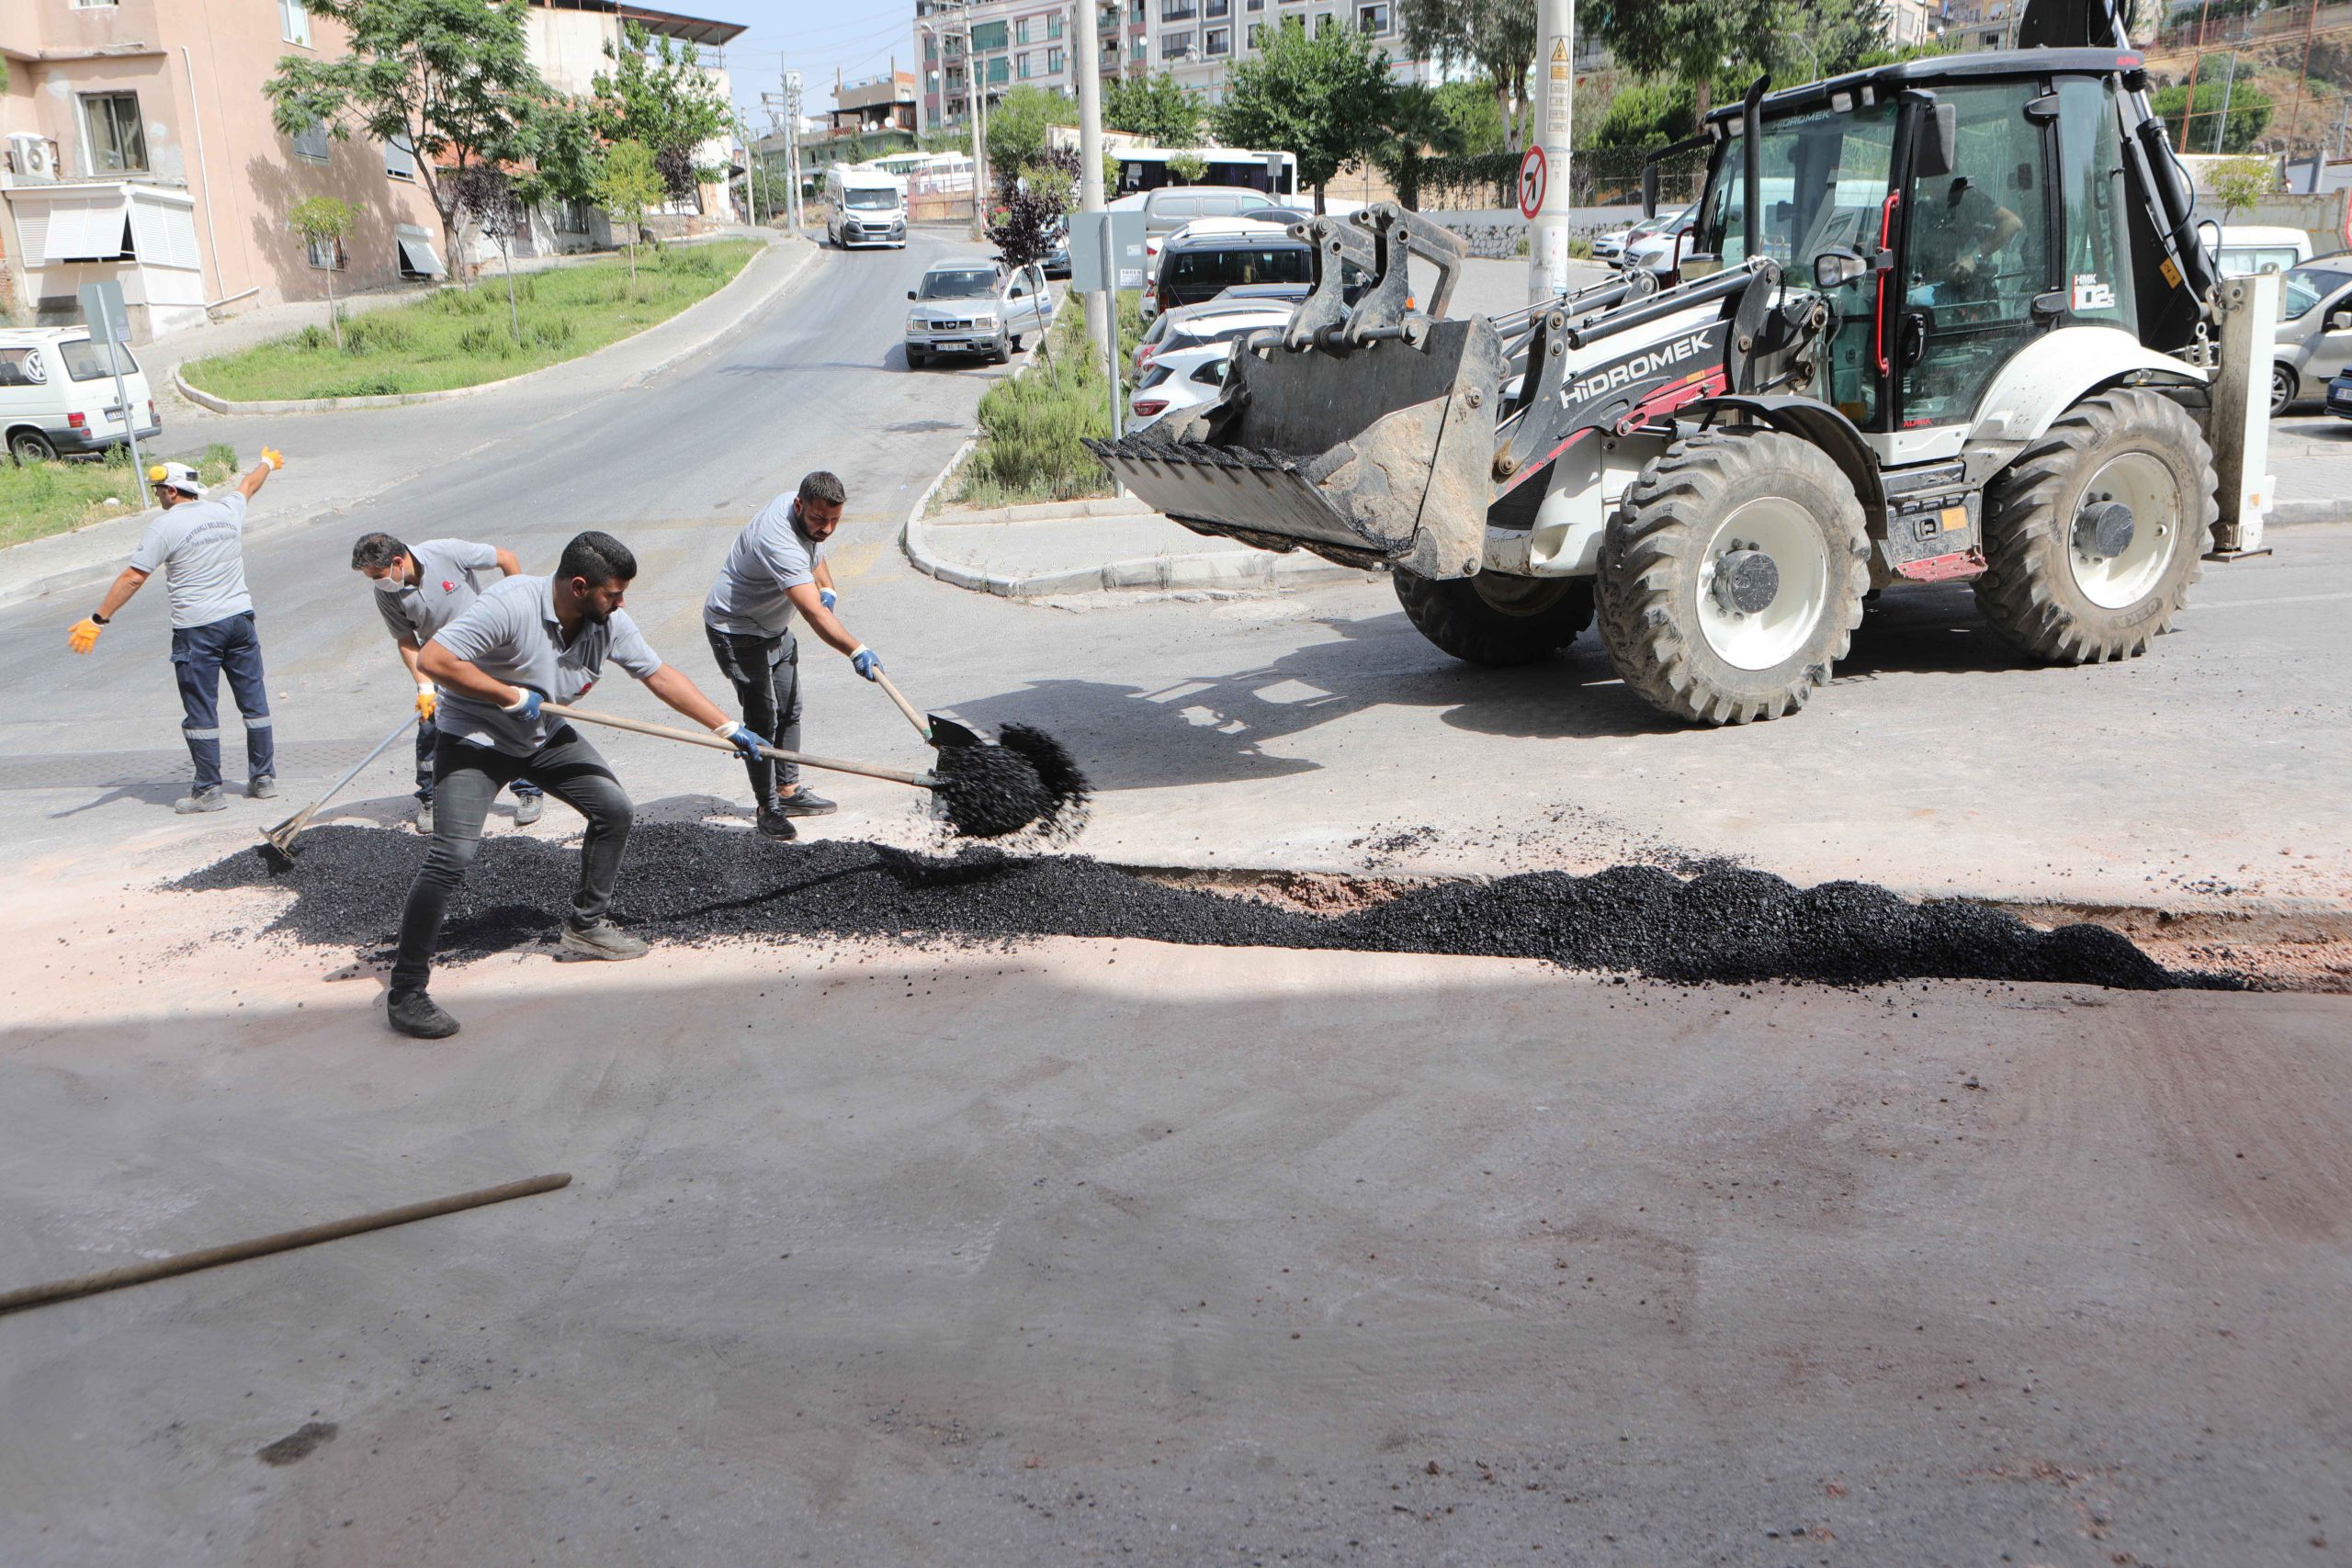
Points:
(975, 305)
(2315, 329)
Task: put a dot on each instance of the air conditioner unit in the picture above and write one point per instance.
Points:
(33, 158)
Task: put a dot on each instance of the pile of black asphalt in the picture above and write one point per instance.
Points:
(695, 882)
(1028, 783)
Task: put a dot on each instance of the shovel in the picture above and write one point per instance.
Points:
(934, 727)
(278, 844)
(705, 737)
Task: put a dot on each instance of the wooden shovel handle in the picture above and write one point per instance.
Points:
(923, 725)
(705, 737)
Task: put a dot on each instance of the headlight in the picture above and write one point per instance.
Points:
(985, 319)
(917, 321)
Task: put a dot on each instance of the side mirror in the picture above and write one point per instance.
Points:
(910, 293)
(1940, 142)
(2339, 321)
(1649, 190)
(1836, 268)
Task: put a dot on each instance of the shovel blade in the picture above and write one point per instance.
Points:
(948, 733)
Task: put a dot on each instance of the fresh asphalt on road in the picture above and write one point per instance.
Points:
(1098, 1252)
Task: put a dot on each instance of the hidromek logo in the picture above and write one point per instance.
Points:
(1640, 367)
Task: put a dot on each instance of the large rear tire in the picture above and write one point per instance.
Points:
(1732, 578)
(1496, 619)
(2071, 579)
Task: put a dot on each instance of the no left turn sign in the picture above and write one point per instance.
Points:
(1532, 174)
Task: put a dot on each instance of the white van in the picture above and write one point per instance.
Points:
(865, 207)
(2250, 248)
(57, 394)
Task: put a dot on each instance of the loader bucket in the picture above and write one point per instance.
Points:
(1374, 455)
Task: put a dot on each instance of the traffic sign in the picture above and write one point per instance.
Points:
(1533, 173)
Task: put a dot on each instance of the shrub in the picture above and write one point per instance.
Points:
(380, 332)
(314, 338)
(485, 341)
(1034, 422)
(552, 332)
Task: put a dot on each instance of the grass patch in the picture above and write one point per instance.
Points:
(461, 337)
(1032, 424)
(41, 499)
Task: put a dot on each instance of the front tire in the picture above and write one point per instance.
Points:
(1001, 354)
(917, 359)
(1495, 619)
(1732, 579)
(2070, 582)
(2283, 387)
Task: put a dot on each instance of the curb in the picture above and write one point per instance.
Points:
(401, 399)
(1224, 570)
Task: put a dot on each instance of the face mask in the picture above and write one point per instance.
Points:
(389, 583)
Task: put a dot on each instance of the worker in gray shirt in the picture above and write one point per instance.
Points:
(419, 590)
(198, 545)
(775, 570)
(529, 640)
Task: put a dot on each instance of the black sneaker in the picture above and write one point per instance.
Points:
(805, 802)
(419, 1016)
(778, 825)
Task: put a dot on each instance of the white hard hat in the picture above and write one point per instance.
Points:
(179, 476)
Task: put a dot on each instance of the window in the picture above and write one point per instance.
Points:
(1020, 30)
(416, 254)
(2309, 284)
(1257, 34)
(1176, 46)
(399, 159)
(294, 22)
(87, 359)
(1323, 22)
(1212, 9)
(1253, 4)
(327, 255)
(1217, 40)
(1052, 25)
(1372, 18)
(1177, 10)
(1021, 65)
(571, 218)
(92, 5)
(22, 367)
(1055, 61)
(117, 136)
(312, 145)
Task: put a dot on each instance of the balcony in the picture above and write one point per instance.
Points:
(1178, 10)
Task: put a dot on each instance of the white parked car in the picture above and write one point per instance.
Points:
(1234, 313)
(2248, 248)
(1178, 378)
(1660, 251)
(974, 305)
(57, 395)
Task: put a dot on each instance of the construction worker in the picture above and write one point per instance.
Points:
(418, 592)
(525, 641)
(200, 544)
(777, 569)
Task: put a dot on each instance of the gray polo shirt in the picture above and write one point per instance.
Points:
(200, 544)
(512, 635)
(769, 557)
(445, 588)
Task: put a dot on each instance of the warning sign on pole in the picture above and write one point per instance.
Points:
(1532, 174)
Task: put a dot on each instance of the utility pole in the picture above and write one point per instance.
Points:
(979, 128)
(2229, 86)
(792, 144)
(1102, 308)
(1556, 88)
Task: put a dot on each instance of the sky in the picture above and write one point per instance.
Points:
(856, 38)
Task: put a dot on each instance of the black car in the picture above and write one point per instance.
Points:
(2339, 395)
(1194, 270)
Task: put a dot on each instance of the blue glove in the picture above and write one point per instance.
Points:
(868, 662)
(742, 739)
(529, 708)
(827, 597)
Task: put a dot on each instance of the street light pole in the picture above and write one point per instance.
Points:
(1547, 240)
(1102, 308)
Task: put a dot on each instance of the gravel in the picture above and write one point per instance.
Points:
(1026, 781)
(694, 883)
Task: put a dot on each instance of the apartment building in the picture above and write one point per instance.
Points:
(1016, 41)
(568, 39)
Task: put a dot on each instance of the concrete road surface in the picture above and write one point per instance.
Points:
(1084, 1251)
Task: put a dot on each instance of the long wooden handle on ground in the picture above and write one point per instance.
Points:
(923, 725)
(261, 1246)
(705, 737)
(283, 834)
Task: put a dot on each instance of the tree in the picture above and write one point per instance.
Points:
(1806, 40)
(322, 217)
(2208, 130)
(450, 79)
(628, 186)
(1158, 109)
(1322, 98)
(658, 95)
(488, 195)
(1415, 125)
(1018, 123)
(1188, 168)
(1498, 37)
(2238, 183)
(1474, 117)
(1689, 41)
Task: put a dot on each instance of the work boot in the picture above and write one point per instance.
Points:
(418, 1016)
(805, 802)
(528, 808)
(263, 787)
(424, 816)
(600, 938)
(778, 825)
(213, 799)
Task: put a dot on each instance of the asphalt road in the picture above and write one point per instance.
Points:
(1088, 1251)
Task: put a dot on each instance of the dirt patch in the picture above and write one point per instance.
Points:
(297, 1444)
(691, 881)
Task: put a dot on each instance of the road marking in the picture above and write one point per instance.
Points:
(2282, 599)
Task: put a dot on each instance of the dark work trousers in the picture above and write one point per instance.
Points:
(766, 673)
(466, 779)
(428, 740)
(200, 656)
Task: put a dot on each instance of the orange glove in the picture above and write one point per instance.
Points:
(273, 457)
(85, 635)
(427, 699)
